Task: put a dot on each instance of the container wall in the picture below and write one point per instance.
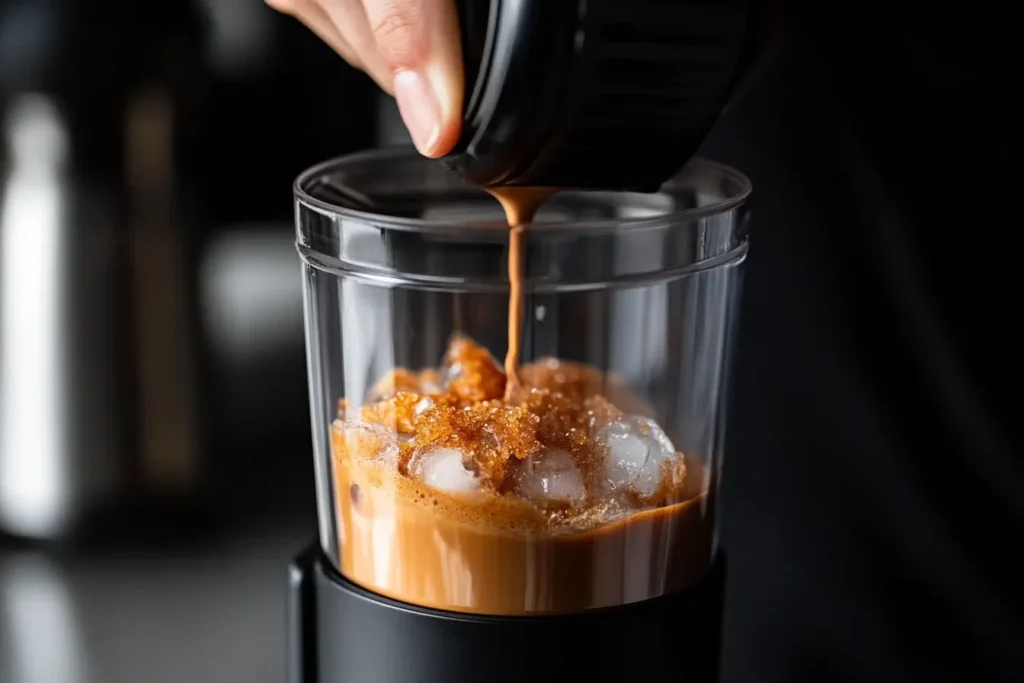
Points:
(594, 483)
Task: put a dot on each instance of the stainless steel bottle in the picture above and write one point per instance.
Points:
(97, 373)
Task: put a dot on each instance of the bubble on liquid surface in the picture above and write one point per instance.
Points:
(549, 477)
(370, 441)
(444, 469)
(637, 454)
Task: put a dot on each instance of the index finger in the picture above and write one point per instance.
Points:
(419, 42)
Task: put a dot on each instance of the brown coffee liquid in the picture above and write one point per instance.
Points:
(496, 555)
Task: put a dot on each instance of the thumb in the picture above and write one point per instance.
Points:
(419, 42)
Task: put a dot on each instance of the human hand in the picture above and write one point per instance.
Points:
(411, 48)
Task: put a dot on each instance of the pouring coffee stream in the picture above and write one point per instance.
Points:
(520, 205)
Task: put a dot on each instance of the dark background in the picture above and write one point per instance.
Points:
(868, 460)
(875, 474)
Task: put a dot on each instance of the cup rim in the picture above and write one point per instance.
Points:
(695, 167)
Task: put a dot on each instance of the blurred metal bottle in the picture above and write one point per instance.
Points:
(98, 379)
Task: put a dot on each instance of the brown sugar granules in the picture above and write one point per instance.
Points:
(557, 407)
(401, 379)
(397, 413)
(489, 434)
(472, 374)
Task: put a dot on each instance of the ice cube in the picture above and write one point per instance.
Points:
(638, 451)
(370, 441)
(423, 405)
(549, 477)
(444, 469)
(451, 373)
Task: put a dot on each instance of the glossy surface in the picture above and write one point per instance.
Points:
(198, 611)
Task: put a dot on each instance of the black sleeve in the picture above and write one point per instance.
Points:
(874, 486)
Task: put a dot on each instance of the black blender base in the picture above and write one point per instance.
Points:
(341, 633)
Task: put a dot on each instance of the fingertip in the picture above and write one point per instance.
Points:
(429, 109)
(449, 97)
(446, 140)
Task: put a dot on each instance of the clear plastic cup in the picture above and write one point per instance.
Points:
(596, 486)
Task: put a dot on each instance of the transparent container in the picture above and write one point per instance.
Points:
(595, 485)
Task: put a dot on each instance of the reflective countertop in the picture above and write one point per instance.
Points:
(197, 611)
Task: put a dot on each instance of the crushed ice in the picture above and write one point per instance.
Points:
(366, 439)
(451, 373)
(550, 477)
(423, 405)
(637, 452)
(444, 469)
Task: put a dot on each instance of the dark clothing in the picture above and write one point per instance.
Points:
(874, 482)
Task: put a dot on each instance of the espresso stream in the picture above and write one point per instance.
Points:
(520, 205)
(493, 554)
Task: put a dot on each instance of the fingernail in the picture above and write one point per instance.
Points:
(419, 108)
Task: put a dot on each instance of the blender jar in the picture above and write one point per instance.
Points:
(595, 485)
